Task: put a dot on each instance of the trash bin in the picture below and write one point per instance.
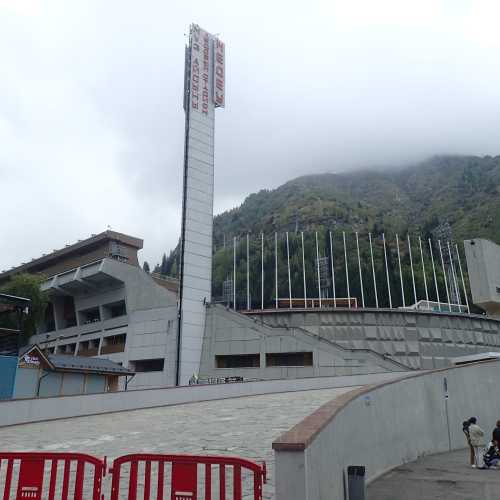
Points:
(356, 482)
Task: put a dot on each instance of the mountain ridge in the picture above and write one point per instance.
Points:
(463, 191)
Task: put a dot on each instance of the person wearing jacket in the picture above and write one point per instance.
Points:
(496, 434)
(476, 440)
(465, 429)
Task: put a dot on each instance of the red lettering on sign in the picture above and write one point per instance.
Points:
(219, 74)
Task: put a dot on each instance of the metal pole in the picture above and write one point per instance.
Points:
(288, 264)
(262, 272)
(360, 273)
(333, 272)
(400, 273)
(444, 274)
(423, 271)
(317, 268)
(412, 273)
(234, 273)
(248, 272)
(276, 264)
(455, 283)
(387, 272)
(304, 269)
(346, 271)
(434, 272)
(463, 281)
(373, 270)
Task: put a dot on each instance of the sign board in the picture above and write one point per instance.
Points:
(219, 74)
(29, 360)
(204, 90)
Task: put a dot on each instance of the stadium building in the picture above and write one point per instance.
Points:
(102, 304)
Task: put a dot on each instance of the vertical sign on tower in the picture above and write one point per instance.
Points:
(204, 90)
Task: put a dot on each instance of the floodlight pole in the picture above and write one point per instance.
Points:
(346, 271)
(454, 276)
(333, 272)
(373, 270)
(276, 264)
(317, 267)
(412, 272)
(435, 277)
(423, 271)
(444, 274)
(234, 273)
(262, 272)
(360, 273)
(462, 276)
(304, 269)
(288, 265)
(387, 272)
(400, 273)
(248, 272)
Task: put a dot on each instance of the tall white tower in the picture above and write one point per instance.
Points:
(204, 90)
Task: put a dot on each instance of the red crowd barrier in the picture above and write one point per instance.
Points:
(63, 476)
(50, 476)
(190, 477)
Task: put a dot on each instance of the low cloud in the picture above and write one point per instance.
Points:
(91, 120)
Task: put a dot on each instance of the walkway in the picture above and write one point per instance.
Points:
(438, 477)
(242, 426)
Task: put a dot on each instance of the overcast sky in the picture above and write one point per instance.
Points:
(91, 119)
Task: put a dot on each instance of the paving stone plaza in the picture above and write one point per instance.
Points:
(244, 427)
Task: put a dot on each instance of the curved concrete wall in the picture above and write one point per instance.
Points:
(22, 411)
(418, 339)
(382, 427)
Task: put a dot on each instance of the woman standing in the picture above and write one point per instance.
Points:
(476, 440)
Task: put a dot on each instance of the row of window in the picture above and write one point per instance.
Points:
(272, 359)
(68, 314)
(114, 343)
(234, 361)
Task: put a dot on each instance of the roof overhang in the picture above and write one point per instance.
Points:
(81, 279)
(12, 303)
(37, 265)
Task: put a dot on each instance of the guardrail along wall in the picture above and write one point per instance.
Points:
(384, 426)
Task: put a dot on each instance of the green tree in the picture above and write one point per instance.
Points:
(145, 267)
(164, 265)
(28, 286)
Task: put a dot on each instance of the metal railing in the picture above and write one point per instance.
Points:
(76, 476)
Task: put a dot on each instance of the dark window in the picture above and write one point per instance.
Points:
(117, 252)
(114, 310)
(115, 343)
(90, 316)
(50, 324)
(116, 339)
(498, 289)
(289, 359)
(69, 312)
(148, 365)
(118, 309)
(238, 361)
(67, 348)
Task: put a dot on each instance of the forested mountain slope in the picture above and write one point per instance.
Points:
(461, 190)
